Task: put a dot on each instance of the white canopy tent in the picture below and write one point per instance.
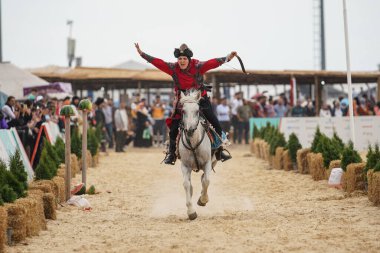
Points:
(14, 79)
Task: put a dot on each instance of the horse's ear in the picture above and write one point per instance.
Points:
(182, 94)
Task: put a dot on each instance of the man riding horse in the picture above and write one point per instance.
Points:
(187, 73)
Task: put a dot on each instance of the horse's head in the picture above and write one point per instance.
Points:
(190, 111)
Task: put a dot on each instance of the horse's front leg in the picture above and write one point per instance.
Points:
(203, 199)
(186, 172)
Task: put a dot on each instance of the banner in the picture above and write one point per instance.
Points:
(9, 142)
(367, 129)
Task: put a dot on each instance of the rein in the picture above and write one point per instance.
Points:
(189, 146)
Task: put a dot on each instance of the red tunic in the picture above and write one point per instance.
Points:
(191, 77)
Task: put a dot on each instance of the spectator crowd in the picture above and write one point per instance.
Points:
(144, 124)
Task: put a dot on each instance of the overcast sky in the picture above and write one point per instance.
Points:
(270, 34)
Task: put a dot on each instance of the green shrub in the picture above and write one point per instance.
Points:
(377, 167)
(46, 168)
(317, 138)
(17, 168)
(76, 143)
(328, 150)
(373, 156)
(293, 146)
(60, 149)
(92, 142)
(349, 155)
(278, 140)
(256, 132)
(338, 143)
(7, 194)
(52, 153)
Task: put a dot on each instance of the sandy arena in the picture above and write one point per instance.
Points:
(141, 208)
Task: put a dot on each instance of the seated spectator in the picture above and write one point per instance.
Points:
(376, 109)
(362, 108)
(309, 109)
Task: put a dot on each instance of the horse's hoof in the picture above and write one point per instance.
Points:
(200, 202)
(193, 216)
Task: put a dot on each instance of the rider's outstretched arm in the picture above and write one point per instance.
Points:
(216, 62)
(158, 63)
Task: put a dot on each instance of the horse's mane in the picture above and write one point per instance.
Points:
(191, 97)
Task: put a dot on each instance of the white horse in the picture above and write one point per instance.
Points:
(194, 150)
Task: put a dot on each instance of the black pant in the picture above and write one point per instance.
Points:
(206, 108)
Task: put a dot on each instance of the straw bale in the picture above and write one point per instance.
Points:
(309, 158)
(286, 161)
(317, 169)
(39, 213)
(47, 183)
(302, 163)
(252, 146)
(3, 228)
(60, 184)
(270, 160)
(61, 172)
(277, 163)
(353, 178)
(32, 222)
(17, 221)
(74, 165)
(89, 159)
(333, 164)
(374, 187)
(50, 206)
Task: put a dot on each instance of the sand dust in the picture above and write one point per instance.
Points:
(251, 209)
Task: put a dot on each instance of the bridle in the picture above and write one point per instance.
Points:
(188, 145)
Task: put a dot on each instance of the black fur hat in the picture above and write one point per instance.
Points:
(183, 50)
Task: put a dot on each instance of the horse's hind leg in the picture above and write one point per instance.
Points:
(186, 172)
(203, 199)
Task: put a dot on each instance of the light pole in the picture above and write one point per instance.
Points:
(70, 43)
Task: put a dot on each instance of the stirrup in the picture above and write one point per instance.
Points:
(167, 161)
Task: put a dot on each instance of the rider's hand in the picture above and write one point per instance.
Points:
(138, 48)
(231, 55)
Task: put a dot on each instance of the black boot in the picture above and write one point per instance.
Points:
(222, 156)
(170, 155)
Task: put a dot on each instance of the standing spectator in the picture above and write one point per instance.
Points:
(309, 108)
(214, 104)
(261, 113)
(376, 109)
(280, 108)
(244, 113)
(121, 124)
(158, 112)
(325, 112)
(337, 110)
(363, 109)
(134, 108)
(107, 110)
(236, 102)
(223, 115)
(143, 138)
(269, 108)
(10, 112)
(101, 121)
(298, 110)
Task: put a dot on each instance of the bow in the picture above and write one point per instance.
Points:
(241, 65)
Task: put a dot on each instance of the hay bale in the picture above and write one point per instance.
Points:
(270, 160)
(286, 161)
(3, 228)
(333, 164)
(32, 222)
(50, 206)
(317, 169)
(374, 187)
(89, 159)
(61, 170)
(302, 163)
(353, 178)
(45, 185)
(309, 158)
(74, 165)
(60, 184)
(277, 163)
(17, 221)
(39, 213)
(252, 146)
